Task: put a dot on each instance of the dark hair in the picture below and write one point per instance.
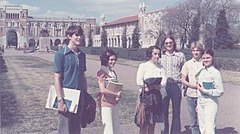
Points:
(172, 38)
(150, 50)
(210, 52)
(74, 30)
(104, 57)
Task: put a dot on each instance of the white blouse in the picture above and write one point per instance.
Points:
(150, 70)
(210, 74)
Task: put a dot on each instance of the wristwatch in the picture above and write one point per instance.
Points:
(60, 100)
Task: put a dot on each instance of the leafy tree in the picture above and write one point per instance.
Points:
(223, 38)
(135, 38)
(104, 38)
(195, 28)
(160, 39)
(209, 35)
(90, 40)
(124, 38)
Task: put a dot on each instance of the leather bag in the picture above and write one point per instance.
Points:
(140, 116)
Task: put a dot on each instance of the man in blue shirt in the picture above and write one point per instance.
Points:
(70, 67)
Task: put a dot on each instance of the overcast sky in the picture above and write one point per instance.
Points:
(112, 9)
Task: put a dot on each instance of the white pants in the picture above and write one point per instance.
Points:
(110, 120)
(207, 113)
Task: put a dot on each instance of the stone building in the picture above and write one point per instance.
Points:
(150, 27)
(18, 28)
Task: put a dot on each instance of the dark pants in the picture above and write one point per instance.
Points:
(173, 94)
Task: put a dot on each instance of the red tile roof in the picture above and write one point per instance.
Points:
(123, 20)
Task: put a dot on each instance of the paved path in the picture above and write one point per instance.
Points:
(228, 121)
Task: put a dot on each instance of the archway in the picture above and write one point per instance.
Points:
(57, 42)
(65, 41)
(12, 39)
(31, 43)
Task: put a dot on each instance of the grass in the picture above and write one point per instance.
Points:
(26, 83)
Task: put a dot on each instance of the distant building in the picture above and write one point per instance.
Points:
(17, 27)
(150, 25)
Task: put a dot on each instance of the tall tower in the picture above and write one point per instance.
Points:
(141, 25)
(102, 22)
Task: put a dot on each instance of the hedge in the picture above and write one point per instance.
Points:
(225, 59)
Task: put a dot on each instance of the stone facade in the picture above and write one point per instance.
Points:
(14, 20)
(150, 25)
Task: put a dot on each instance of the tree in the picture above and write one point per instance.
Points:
(223, 38)
(209, 35)
(160, 39)
(104, 38)
(124, 37)
(194, 32)
(90, 40)
(178, 20)
(135, 38)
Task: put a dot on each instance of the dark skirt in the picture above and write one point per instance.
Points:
(153, 106)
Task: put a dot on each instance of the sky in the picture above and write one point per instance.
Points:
(111, 9)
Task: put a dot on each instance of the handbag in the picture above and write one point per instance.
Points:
(140, 116)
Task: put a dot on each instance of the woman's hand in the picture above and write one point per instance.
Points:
(118, 96)
(146, 88)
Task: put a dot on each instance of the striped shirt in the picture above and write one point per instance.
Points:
(173, 63)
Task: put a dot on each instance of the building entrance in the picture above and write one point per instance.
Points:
(12, 40)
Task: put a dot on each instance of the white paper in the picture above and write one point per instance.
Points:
(70, 94)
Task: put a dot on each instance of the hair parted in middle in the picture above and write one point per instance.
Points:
(198, 45)
(104, 57)
(172, 38)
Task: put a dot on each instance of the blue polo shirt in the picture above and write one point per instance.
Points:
(72, 66)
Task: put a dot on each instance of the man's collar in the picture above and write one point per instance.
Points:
(68, 50)
(194, 60)
(172, 54)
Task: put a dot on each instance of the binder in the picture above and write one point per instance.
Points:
(71, 99)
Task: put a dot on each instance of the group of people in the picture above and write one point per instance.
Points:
(160, 79)
(199, 78)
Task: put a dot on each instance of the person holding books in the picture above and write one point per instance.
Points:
(172, 61)
(189, 70)
(210, 88)
(70, 67)
(151, 78)
(108, 96)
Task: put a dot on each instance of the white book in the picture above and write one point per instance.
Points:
(71, 98)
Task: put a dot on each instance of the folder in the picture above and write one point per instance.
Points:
(71, 99)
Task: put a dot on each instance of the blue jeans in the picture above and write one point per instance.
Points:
(192, 104)
(173, 94)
